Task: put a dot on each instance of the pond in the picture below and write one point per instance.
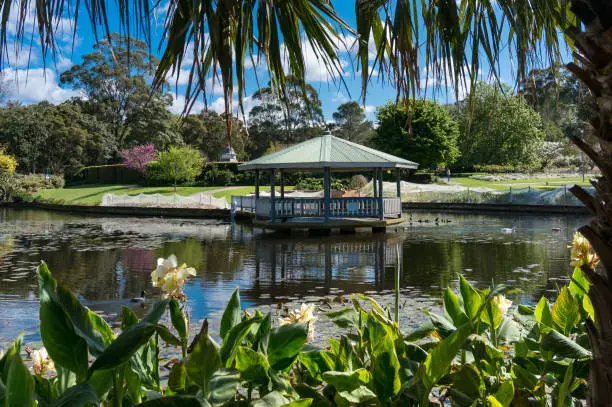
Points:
(106, 261)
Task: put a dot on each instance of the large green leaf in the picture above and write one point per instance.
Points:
(345, 318)
(471, 298)
(317, 362)
(299, 403)
(223, 385)
(18, 383)
(179, 321)
(566, 311)
(124, 347)
(272, 399)
(252, 365)
(77, 396)
(561, 345)
(348, 380)
(286, 342)
(203, 361)
(386, 369)
(505, 393)
(234, 339)
(177, 379)
(81, 319)
(542, 312)
(359, 395)
(452, 305)
(231, 315)
(57, 332)
(439, 360)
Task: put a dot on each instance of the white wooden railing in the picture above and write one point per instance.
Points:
(356, 207)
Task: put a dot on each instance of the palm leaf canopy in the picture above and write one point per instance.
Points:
(452, 39)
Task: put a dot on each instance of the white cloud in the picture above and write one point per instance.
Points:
(36, 85)
(217, 105)
(339, 98)
(369, 108)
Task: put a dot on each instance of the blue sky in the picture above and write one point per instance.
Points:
(31, 82)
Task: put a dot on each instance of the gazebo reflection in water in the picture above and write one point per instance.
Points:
(323, 266)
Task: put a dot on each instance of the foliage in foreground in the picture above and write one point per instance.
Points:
(478, 353)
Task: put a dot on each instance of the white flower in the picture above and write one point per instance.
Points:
(303, 315)
(171, 277)
(502, 304)
(164, 266)
(41, 361)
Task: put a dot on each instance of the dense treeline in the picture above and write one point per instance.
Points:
(119, 110)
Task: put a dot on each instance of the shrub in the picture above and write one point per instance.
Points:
(179, 164)
(9, 187)
(8, 163)
(57, 181)
(358, 182)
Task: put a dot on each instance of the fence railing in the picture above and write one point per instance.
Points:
(315, 207)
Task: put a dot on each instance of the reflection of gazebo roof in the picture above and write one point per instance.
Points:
(327, 152)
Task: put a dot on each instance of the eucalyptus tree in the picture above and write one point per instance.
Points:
(451, 40)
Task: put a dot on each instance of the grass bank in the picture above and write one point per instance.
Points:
(92, 194)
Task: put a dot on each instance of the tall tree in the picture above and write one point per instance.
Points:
(351, 123)
(560, 98)
(57, 139)
(114, 78)
(288, 118)
(427, 135)
(498, 127)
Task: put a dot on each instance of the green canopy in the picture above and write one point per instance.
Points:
(327, 151)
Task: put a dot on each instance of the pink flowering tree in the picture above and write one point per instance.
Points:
(138, 157)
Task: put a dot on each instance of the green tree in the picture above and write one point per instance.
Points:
(179, 164)
(56, 139)
(287, 118)
(115, 80)
(23, 131)
(351, 123)
(427, 135)
(207, 131)
(498, 127)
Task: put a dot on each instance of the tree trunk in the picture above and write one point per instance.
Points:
(594, 53)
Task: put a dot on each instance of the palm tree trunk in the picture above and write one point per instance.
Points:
(594, 53)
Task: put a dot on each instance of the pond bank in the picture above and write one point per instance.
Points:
(224, 214)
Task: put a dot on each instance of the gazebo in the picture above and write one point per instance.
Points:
(326, 154)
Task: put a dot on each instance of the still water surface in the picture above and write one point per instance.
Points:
(106, 261)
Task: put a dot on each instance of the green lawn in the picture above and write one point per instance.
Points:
(92, 194)
(246, 191)
(539, 183)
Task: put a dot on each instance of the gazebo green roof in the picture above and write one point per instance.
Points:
(327, 151)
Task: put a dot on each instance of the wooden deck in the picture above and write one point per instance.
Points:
(343, 225)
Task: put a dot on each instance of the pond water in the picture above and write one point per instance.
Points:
(108, 260)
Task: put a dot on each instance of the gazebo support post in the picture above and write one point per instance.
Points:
(282, 184)
(256, 184)
(272, 193)
(326, 191)
(398, 180)
(381, 209)
(374, 181)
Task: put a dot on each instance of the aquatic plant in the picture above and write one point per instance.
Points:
(481, 351)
